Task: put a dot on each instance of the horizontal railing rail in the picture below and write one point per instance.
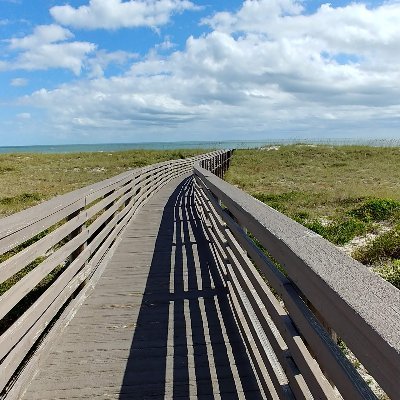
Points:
(292, 292)
(48, 252)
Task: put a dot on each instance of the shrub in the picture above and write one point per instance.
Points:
(382, 248)
(338, 233)
(391, 273)
(376, 210)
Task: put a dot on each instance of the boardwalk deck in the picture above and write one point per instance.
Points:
(159, 322)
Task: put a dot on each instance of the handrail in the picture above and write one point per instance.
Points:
(323, 287)
(57, 246)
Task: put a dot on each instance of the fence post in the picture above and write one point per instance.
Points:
(74, 255)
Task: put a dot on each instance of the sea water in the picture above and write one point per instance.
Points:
(231, 144)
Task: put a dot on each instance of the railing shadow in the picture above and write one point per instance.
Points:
(186, 343)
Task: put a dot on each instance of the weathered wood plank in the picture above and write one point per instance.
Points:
(361, 307)
(308, 367)
(181, 280)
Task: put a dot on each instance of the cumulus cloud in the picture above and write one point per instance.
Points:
(43, 34)
(114, 14)
(269, 67)
(48, 47)
(166, 45)
(101, 60)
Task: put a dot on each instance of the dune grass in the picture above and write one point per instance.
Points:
(340, 192)
(28, 179)
(321, 181)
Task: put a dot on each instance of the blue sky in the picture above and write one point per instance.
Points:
(160, 70)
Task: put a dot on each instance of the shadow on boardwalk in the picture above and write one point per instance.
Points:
(186, 342)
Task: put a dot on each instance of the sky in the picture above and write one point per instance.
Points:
(104, 71)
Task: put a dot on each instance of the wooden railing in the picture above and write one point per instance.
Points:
(293, 293)
(48, 252)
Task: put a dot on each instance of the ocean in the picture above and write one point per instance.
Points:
(231, 144)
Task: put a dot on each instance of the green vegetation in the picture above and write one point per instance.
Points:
(390, 272)
(339, 192)
(377, 210)
(28, 179)
(383, 248)
(338, 232)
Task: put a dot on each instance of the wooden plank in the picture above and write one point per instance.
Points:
(329, 356)
(26, 330)
(205, 336)
(296, 380)
(360, 306)
(313, 376)
(36, 318)
(10, 298)
(258, 362)
(20, 260)
(279, 382)
(308, 367)
(19, 227)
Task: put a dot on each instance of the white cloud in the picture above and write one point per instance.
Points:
(270, 67)
(114, 14)
(101, 59)
(354, 29)
(48, 47)
(167, 44)
(43, 34)
(18, 82)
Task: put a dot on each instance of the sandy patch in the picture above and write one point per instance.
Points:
(361, 241)
(269, 148)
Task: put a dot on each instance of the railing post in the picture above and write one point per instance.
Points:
(132, 194)
(76, 232)
(224, 163)
(109, 218)
(74, 255)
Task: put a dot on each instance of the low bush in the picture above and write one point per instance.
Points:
(376, 210)
(336, 232)
(381, 249)
(391, 273)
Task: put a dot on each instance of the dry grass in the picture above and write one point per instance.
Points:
(28, 179)
(341, 193)
(322, 181)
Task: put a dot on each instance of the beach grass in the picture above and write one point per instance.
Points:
(27, 179)
(344, 193)
(321, 181)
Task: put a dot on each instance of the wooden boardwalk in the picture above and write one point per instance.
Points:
(159, 322)
(149, 286)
